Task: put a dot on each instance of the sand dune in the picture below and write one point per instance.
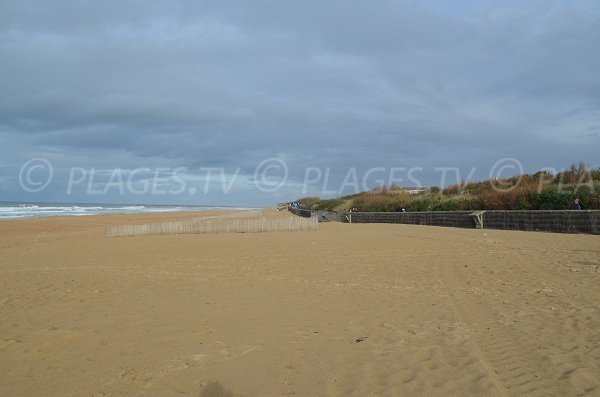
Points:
(350, 310)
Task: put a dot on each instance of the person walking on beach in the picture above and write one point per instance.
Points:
(575, 205)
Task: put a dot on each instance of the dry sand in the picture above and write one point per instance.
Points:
(350, 310)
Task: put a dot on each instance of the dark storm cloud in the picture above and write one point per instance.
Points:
(333, 84)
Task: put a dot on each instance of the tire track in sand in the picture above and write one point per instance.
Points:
(506, 354)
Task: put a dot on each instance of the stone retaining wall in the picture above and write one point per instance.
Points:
(323, 216)
(548, 221)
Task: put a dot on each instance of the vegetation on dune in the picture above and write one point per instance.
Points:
(539, 191)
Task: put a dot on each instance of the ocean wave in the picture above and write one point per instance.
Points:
(30, 210)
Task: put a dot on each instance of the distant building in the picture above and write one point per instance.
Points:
(408, 189)
(415, 190)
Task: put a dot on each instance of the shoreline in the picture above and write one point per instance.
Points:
(29, 210)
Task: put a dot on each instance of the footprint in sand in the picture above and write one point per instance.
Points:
(215, 389)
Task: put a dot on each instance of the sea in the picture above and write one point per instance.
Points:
(19, 210)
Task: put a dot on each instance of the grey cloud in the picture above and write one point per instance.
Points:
(336, 83)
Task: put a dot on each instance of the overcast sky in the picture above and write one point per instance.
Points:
(181, 88)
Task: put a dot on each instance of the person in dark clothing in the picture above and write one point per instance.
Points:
(575, 205)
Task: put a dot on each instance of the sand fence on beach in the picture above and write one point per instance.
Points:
(254, 221)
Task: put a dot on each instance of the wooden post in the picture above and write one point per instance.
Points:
(478, 218)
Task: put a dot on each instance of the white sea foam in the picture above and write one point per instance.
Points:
(14, 210)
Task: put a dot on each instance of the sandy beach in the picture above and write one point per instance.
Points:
(349, 310)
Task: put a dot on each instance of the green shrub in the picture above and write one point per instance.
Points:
(308, 202)
(327, 205)
(540, 191)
